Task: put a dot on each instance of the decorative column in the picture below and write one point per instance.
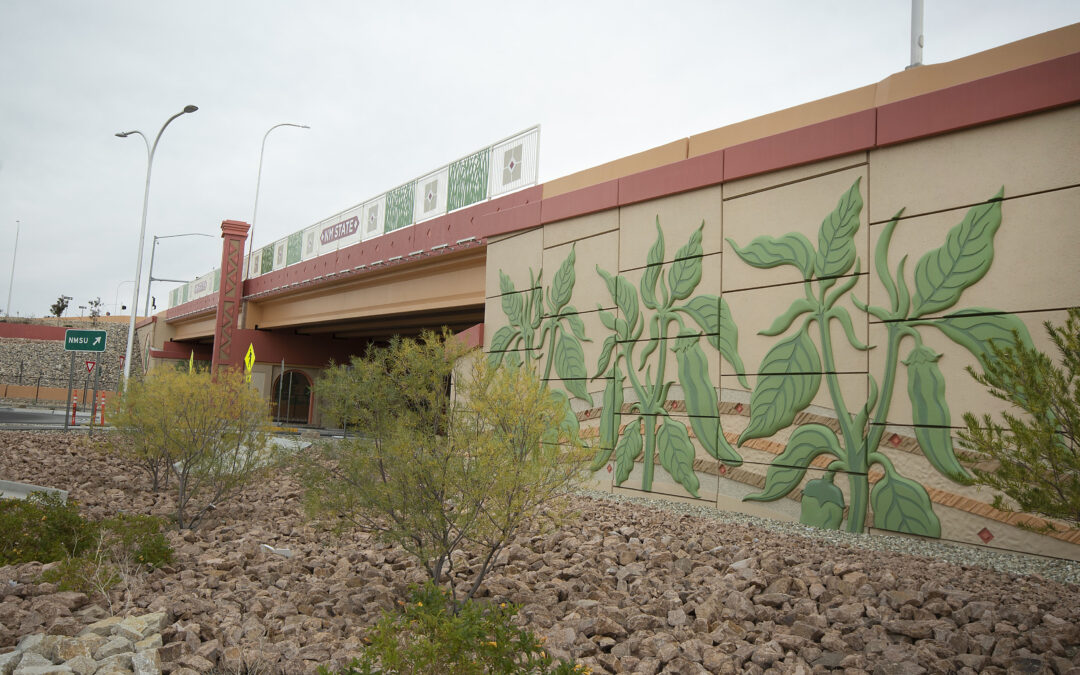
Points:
(230, 295)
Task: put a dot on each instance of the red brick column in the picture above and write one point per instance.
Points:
(230, 295)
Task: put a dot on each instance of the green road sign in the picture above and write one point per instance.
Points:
(84, 340)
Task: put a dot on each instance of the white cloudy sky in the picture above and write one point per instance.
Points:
(391, 90)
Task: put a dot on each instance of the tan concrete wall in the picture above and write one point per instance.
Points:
(754, 367)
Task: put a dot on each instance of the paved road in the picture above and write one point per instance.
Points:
(24, 417)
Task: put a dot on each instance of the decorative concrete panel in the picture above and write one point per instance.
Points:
(1030, 154)
(678, 217)
(796, 222)
(566, 231)
(516, 258)
(766, 181)
(1019, 254)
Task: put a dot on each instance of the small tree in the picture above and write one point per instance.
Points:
(1036, 460)
(60, 306)
(210, 432)
(435, 470)
(95, 309)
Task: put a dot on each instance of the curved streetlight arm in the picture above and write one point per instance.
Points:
(153, 250)
(258, 181)
(142, 232)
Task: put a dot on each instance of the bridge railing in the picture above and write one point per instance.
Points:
(500, 168)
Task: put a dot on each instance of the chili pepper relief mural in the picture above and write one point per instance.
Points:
(536, 330)
(793, 369)
(545, 328)
(651, 433)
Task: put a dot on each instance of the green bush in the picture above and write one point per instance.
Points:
(1035, 456)
(84, 575)
(452, 453)
(42, 528)
(209, 431)
(426, 636)
(137, 538)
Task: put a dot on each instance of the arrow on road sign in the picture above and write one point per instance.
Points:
(90, 366)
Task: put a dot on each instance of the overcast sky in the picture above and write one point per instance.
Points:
(391, 90)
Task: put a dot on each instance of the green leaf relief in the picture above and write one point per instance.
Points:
(942, 274)
(798, 307)
(512, 303)
(570, 366)
(712, 313)
(822, 505)
(685, 272)
(605, 355)
(569, 427)
(789, 380)
(562, 286)
(977, 328)
(627, 450)
(701, 401)
(609, 419)
(836, 237)
(503, 338)
(787, 470)
(930, 412)
(607, 318)
(881, 264)
(625, 297)
(577, 326)
(902, 505)
(536, 305)
(766, 252)
(841, 314)
(677, 454)
(652, 271)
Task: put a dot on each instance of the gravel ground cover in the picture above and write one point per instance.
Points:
(624, 585)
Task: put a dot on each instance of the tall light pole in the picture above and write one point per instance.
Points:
(153, 249)
(150, 149)
(11, 282)
(258, 180)
(255, 211)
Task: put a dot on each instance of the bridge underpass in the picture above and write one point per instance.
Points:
(299, 330)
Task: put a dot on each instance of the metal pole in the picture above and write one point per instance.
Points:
(288, 401)
(150, 281)
(281, 383)
(11, 281)
(153, 250)
(71, 381)
(150, 150)
(255, 211)
(94, 401)
(916, 33)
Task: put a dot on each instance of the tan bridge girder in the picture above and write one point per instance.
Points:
(437, 288)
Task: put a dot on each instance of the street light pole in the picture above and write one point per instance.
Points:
(258, 180)
(150, 150)
(116, 296)
(153, 249)
(11, 282)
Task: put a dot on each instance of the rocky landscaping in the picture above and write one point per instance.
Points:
(621, 587)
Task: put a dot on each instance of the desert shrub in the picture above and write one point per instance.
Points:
(42, 528)
(427, 636)
(436, 468)
(210, 432)
(85, 574)
(1035, 457)
(137, 538)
